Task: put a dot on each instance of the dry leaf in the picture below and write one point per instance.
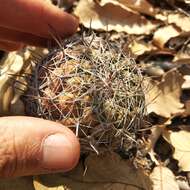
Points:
(186, 1)
(139, 48)
(186, 84)
(187, 108)
(141, 6)
(180, 20)
(181, 43)
(104, 172)
(164, 98)
(40, 186)
(23, 183)
(181, 57)
(163, 179)
(183, 184)
(9, 67)
(12, 86)
(163, 34)
(181, 142)
(156, 132)
(154, 71)
(162, 15)
(112, 17)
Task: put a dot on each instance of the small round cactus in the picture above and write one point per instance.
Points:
(91, 86)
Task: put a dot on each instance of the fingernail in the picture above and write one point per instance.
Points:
(57, 152)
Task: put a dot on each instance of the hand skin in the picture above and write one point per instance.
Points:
(32, 22)
(32, 146)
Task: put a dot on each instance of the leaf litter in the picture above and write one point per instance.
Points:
(158, 30)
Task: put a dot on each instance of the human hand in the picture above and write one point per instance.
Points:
(30, 146)
(29, 21)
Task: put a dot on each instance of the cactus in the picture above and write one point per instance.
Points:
(90, 85)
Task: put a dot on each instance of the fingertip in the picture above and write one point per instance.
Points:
(35, 17)
(72, 150)
(10, 46)
(75, 153)
(60, 148)
(41, 146)
(60, 152)
(63, 23)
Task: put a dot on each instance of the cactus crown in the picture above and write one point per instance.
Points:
(93, 87)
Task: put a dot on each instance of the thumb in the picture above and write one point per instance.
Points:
(30, 146)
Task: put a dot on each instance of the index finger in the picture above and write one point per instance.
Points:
(36, 17)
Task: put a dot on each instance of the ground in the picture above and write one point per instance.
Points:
(156, 35)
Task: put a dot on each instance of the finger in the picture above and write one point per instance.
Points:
(36, 17)
(10, 46)
(21, 37)
(30, 146)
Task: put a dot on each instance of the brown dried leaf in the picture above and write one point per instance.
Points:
(154, 71)
(23, 183)
(141, 6)
(164, 98)
(181, 57)
(163, 179)
(112, 17)
(170, 17)
(186, 84)
(156, 132)
(181, 43)
(10, 66)
(186, 1)
(181, 142)
(139, 48)
(163, 34)
(181, 20)
(187, 108)
(107, 171)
